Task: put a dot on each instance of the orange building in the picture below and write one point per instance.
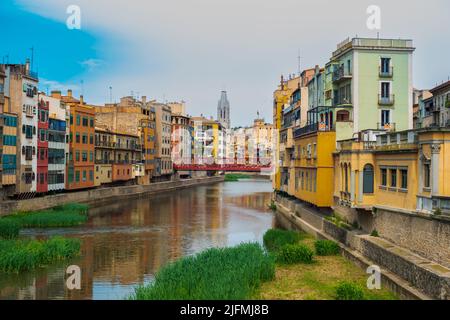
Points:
(80, 162)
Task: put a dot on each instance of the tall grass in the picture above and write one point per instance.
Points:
(274, 239)
(22, 255)
(219, 273)
(72, 214)
(9, 229)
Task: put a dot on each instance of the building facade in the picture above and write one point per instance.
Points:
(22, 94)
(137, 118)
(163, 157)
(80, 165)
(42, 146)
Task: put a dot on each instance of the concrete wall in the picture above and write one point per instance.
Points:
(100, 194)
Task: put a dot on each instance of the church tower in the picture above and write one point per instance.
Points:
(223, 110)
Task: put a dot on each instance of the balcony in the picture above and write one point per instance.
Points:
(386, 126)
(388, 100)
(383, 73)
(341, 74)
(310, 128)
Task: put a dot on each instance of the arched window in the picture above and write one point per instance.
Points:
(368, 179)
(342, 116)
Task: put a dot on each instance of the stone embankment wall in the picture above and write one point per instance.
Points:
(93, 196)
(414, 248)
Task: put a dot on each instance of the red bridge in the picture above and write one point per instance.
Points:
(221, 167)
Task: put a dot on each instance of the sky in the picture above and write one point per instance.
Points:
(191, 50)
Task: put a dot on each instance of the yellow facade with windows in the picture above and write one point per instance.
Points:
(406, 170)
(314, 167)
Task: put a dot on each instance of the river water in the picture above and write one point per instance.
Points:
(126, 242)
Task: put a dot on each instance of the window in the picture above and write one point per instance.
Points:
(385, 117)
(368, 179)
(71, 119)
(91, 139)
(385, 89)
(77, 138)
(385, 65)
(77, 176)
(84, 156)
(85, 138)
(77, 155)
(42, 135)
(393, 178)
(91, 175)
(404, 178)
(342, 116)
(78, 120)
(426, 175)
(384, 177)
(84, 176)
(85, 122)
(91, 156)
(91, 120)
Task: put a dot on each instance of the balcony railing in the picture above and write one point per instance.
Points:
(386, 73)
(388, 100)
(386, 126)
(341, 74)
(310, 128)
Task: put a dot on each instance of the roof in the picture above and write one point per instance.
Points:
(440, 87)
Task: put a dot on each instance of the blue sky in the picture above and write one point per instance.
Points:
(60, 54)
(192, 49)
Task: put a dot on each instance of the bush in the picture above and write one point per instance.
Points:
(294, 253)
(273, 206)
(349, 291)
(9, 229)
(375, 233)
(218, 273)
(326, 248)
(274, 239)
(22, 255)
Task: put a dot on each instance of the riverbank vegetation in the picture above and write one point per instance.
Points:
(236, 177)
(21, 255)
(68, 215)
(215, 274)
(324, 275)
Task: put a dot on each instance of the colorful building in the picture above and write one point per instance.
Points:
(137, 118)
(163, 157)
(209, 141)
(80, 165)
(22, 95)
(405, 171)
(182, 137)
(281, 100)
(58, 136)
(116, 155)
(42, 146)
(2, 103)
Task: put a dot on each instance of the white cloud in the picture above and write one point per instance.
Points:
(91, 64)
(192, 49)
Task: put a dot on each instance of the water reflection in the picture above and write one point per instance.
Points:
(125, 242)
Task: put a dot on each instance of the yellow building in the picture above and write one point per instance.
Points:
(313, 162)
(281, 100)
(406, 170)
(209, 141)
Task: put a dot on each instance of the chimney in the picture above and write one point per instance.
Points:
(81, 99)
(144, 99)
(27, 66)
(69, 93)
(56, 94)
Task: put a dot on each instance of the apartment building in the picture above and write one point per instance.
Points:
(21, 92)
(137, 118)
(209, 141)
(182, 137)
(42, 146)
(80, 164)
(163, 157)
(2, 103)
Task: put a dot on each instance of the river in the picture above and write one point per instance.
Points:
(124, 243)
